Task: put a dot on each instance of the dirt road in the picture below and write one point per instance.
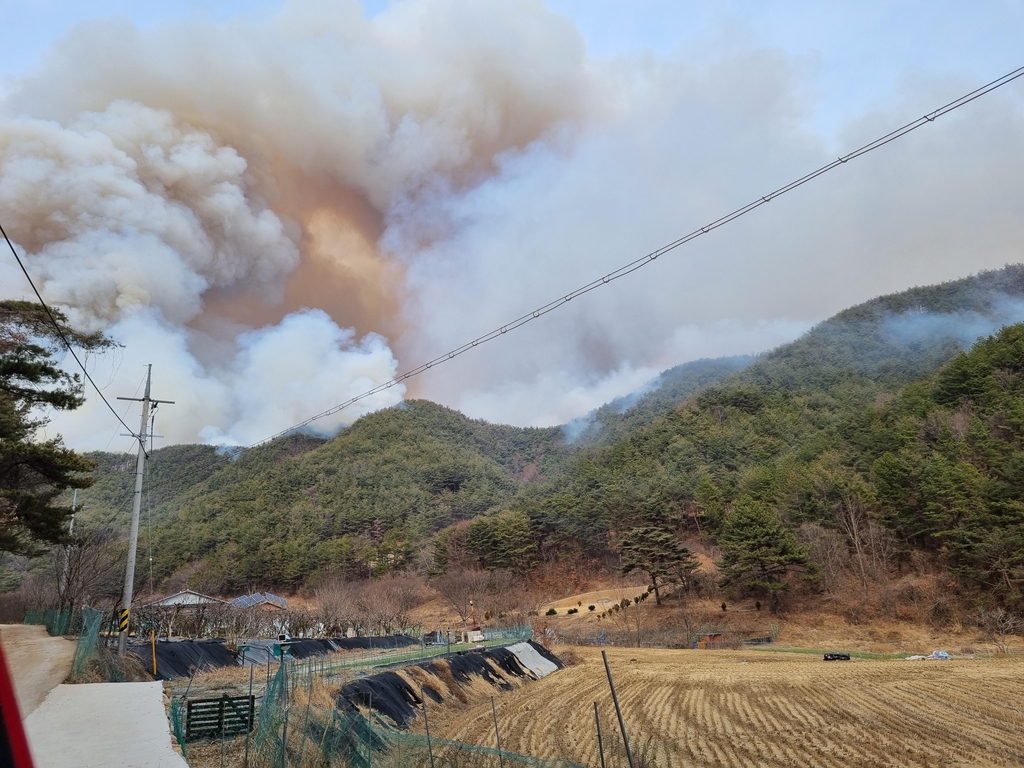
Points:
(39, 662)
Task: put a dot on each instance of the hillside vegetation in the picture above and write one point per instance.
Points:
(354, 505)
(875, 430)
(853, 426)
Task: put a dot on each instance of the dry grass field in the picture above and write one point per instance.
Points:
(744, 709)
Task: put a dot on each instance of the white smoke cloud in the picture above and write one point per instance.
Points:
(281, 373)
(129, 218)
(170, 186)
(694, 145)
(127, 208)
(428, 174)
(275, 377)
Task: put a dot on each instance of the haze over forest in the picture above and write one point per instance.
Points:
(892, 419)
(286, 206)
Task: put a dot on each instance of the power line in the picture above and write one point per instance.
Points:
(125, 412)
(60, 332)
(645, 260)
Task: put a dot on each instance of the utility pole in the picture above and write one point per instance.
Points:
(64, 582)
(133, 541)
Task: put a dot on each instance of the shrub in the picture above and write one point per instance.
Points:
(551, 612)
(568, 656)
(591, 607)
(573, 610)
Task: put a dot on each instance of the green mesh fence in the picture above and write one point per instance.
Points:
(57, 623)
(177, 716)
(88, 638)
(344, 663)
(294, 729)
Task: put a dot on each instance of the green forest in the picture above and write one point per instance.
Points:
(900, 418)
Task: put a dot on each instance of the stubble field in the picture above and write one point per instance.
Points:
(744, 709)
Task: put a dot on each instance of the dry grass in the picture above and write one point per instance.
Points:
(602, 599)
(234, 681)
(720, 708)
(568, 655)
(315, 701)
(106, 666)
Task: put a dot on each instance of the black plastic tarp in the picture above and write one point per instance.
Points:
(507, 662)
(179, 658)
(304, 649)
(386, 692)
(391, 695)
(373, 643)
(477, 663)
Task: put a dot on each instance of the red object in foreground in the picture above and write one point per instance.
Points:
(13, 744)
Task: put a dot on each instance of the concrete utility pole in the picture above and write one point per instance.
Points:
(133, 541)
(67, 552)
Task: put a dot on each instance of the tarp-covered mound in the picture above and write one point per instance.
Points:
(399, 694)
(373, 643)
(536, 658)
(259, 652)
(179, 658)
(305, 649)
(387, 692)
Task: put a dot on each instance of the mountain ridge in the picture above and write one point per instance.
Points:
(380, 490)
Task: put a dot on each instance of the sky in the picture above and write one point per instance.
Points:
(283, 205)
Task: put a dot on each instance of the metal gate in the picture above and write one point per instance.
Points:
(214, 718)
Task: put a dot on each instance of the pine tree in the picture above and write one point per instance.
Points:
(659, 553)
(34, 474)
(759, 550)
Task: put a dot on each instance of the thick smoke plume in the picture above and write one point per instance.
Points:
(204, 192)
(277, 212)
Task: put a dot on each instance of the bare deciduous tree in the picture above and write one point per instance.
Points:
(829, 550)
(697, 623)
(88, 570)
(999, 626)
(872, 546)
(384, 604)
(631, 617)
(338, 606)
(459, 588)
(503, 595)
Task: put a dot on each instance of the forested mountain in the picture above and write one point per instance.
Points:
(862, 417)
(171, 472)
(357, 504)
(852, 425)
(624, 414)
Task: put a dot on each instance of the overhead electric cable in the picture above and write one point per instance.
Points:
(125, 412)
(645, 260)
(60, 332)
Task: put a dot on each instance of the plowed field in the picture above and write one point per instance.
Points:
(722, 708)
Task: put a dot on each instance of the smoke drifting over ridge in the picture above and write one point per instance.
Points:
(276, 212)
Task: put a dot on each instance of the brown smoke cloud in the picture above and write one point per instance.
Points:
(276, 212)
(209, 181)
